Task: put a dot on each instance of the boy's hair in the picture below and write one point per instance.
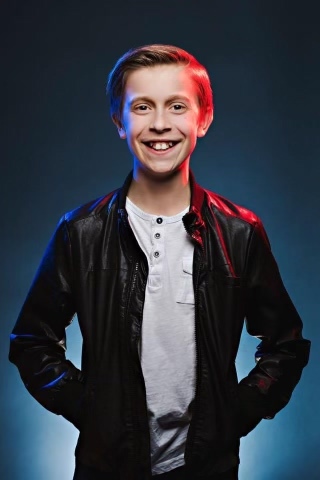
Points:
(149, 56)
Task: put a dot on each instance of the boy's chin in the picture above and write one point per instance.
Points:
(160, 174)
(160, 170)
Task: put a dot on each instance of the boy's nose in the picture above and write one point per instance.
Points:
(160, 122)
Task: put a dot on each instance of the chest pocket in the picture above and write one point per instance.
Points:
(185, 291)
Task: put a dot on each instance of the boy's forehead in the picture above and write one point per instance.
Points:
(158, 81)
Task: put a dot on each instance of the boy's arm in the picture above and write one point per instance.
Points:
(38, 341)
(282, 353)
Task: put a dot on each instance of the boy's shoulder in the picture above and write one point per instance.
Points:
(232, 215)
(91, 209)
(223, 206)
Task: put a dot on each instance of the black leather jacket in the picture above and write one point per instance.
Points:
(94, 267)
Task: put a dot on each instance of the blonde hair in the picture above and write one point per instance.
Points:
(149, 56)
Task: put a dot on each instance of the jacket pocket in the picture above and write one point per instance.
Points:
(250, 408)
(227, 280)
(70, 402)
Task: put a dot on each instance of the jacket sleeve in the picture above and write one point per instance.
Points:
(282, 353)
(38, 341)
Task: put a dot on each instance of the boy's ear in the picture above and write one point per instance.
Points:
(205, 121)
(118, 124)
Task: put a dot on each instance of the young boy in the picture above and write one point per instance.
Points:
(161, 274)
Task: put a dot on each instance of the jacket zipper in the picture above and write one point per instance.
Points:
(134, 408)
(191, 433)
(135, 412)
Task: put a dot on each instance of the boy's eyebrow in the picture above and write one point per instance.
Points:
(139, 99)
(168, 100)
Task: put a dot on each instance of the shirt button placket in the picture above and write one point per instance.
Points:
(157, 235)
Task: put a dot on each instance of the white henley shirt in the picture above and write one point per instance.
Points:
(167, 349)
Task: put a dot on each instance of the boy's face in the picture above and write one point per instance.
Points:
(161, 119)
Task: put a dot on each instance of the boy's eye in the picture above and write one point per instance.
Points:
(142, 108)
(178, 107)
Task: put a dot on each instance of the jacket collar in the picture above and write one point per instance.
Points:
(197, 192)
(192, 220)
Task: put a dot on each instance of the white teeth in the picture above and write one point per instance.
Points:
(160, 145)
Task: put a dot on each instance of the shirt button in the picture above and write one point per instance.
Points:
(156, 254)
(157, 235)
(159, 220)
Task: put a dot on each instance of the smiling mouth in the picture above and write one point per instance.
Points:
(161, 146)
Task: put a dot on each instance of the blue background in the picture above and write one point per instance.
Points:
(60, 149)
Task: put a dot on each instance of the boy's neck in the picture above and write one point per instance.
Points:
(161, 196)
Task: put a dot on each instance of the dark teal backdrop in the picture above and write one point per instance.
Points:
(60, 149)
